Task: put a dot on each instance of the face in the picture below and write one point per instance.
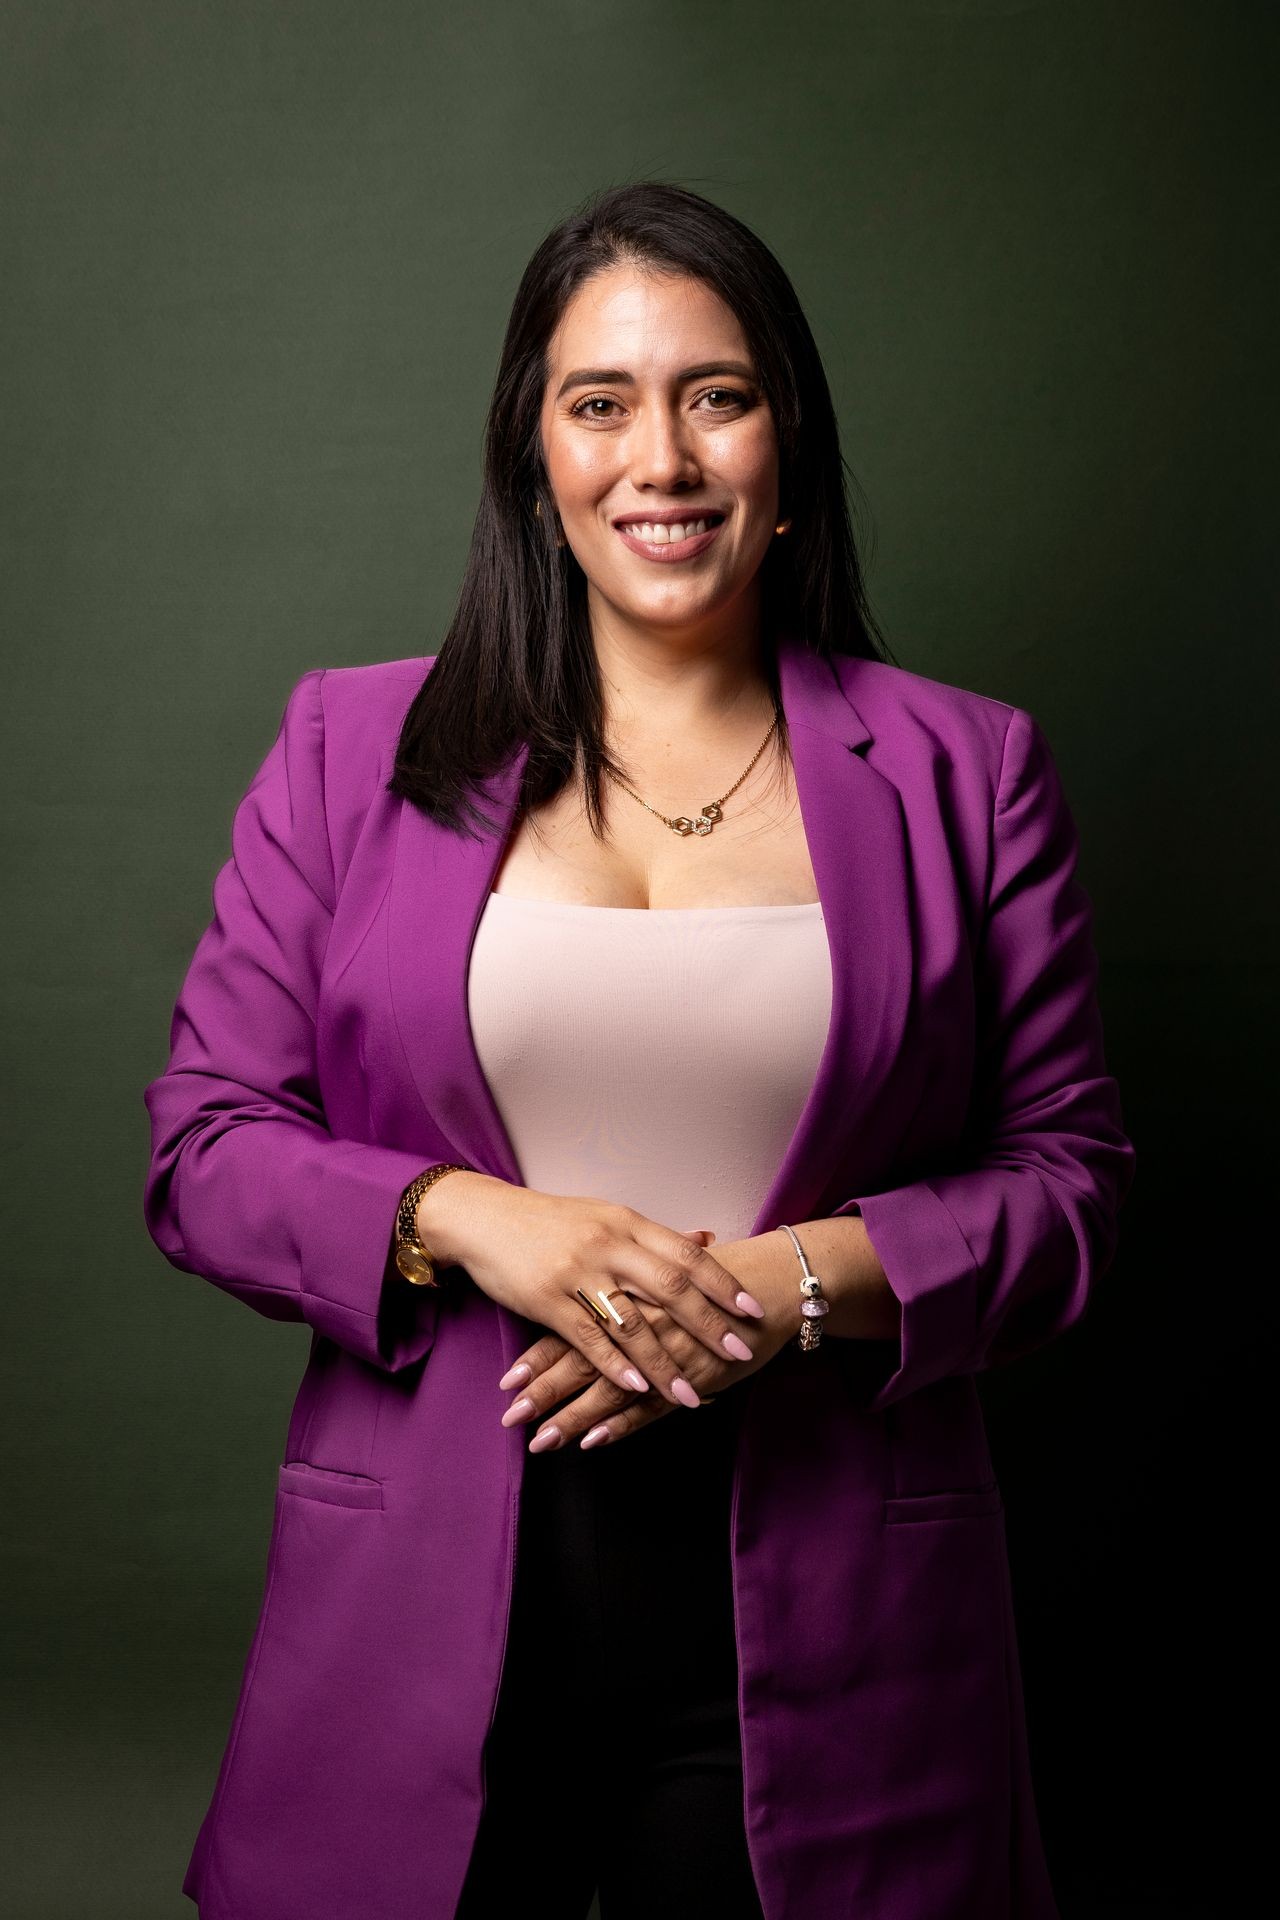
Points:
(652, 413)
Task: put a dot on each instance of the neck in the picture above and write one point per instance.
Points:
(666, 692)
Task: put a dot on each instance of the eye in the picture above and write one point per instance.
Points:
(593, 400)
(731, 394)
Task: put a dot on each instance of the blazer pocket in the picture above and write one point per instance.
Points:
(329, 1484)
(959, 1503)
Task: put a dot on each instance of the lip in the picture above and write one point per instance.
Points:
(672, 553)
(669, 516)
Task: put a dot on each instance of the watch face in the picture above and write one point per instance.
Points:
(414, 1267)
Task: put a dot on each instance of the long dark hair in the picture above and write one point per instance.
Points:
(517, 663)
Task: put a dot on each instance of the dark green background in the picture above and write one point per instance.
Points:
(257, 260)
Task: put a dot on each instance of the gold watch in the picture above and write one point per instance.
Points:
(412, 1259)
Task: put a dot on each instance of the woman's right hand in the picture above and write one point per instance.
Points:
(531, 1250)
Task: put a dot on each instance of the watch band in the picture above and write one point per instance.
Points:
(413, 1261)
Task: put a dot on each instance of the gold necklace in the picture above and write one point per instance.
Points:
(712, 811)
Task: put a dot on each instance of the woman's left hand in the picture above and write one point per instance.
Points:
(558, 1372)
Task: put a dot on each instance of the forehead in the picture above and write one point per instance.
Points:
(628, 316)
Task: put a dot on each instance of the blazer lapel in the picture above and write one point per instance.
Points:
(439, 885)
(853, 822)
(857, 842)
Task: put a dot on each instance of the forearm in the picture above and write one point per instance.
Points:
(863, 1306)
(839, 1250)
(449, 1210)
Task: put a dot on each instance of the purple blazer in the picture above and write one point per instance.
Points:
(321, 1056)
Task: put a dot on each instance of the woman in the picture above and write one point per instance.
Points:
(656, 1157)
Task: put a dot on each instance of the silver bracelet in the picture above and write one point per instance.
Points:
(814, 1304)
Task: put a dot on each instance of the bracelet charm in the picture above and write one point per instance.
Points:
(814, 1306)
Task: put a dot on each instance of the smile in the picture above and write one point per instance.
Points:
(663, 548)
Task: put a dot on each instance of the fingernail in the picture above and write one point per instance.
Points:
(549, 1437)
(636, 1380)
(738, 1348)
(749, 1304)
(684, 1393)
(515, 1376)
(518, 1410)
(596, 1435)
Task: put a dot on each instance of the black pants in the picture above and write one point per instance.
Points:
(615, 1762)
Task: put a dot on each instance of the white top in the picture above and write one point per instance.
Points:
(660, 1057)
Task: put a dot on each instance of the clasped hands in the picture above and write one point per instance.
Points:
(690, 1322)
(595, 1409)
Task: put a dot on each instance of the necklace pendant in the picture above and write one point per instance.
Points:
(703, 824)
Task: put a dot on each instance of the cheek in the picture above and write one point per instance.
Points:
(755, 474)
(580, 471)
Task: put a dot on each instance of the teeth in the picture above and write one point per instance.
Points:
(661, 536)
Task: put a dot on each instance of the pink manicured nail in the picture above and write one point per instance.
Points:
(738, 1348)
(515, 1376)
(749, 1304)
(593, 1439)
(684, 1393)
(636, 1380)
(549, 1437)
(517, 1411)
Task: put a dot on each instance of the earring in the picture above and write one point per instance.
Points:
(560, 539)
(783, 527)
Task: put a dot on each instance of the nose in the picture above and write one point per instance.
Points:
(661, 456)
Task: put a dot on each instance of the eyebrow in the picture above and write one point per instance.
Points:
(619, 377)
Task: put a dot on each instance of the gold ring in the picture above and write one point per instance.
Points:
(605, 1312)
(705, 1400)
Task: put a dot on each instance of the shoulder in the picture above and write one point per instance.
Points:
(338, 740)
(971, 755)
(983, 764)
(377, 677)
(359, 711)
(907, 710)
(349, 694)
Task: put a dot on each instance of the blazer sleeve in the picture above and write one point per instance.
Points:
(1000, 1253)
(247, 1185)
